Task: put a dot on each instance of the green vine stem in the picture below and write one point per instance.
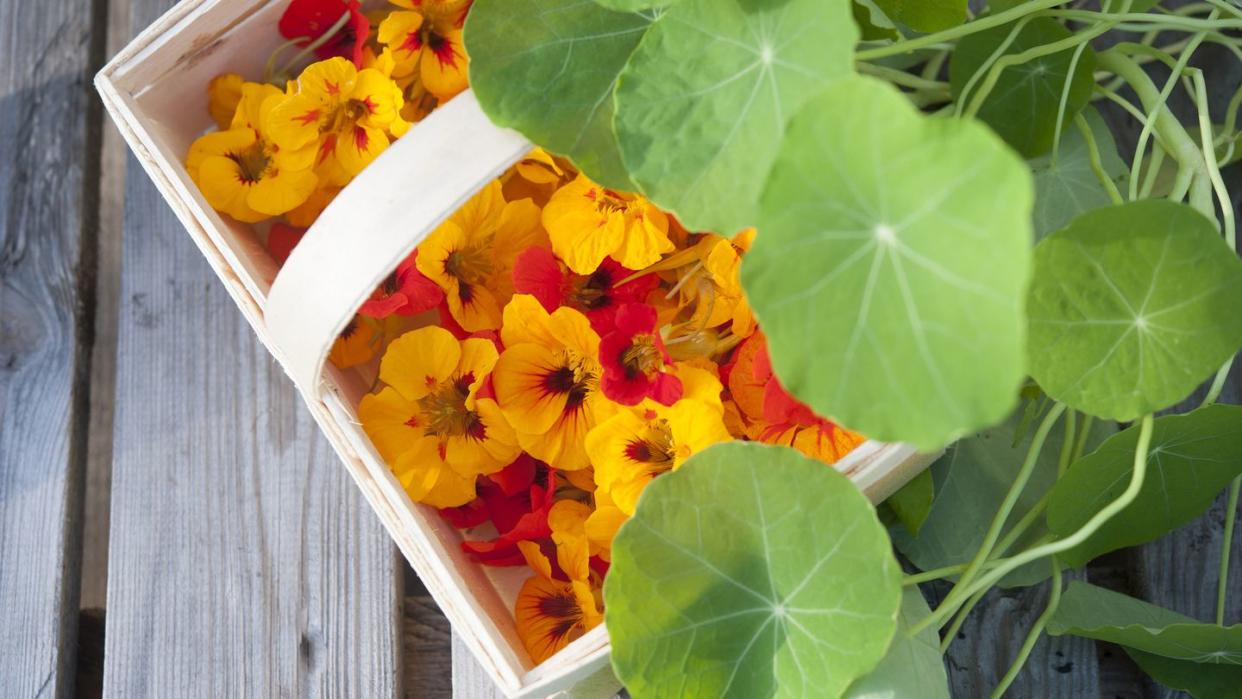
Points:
(960, 619)
(1032, 636)
(1097, 164)
(1222, 580)
(1001, 18)
(1052, 548)
(961, 590)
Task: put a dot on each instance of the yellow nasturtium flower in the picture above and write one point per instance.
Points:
(243, 172)
(223, 93)
(470, 256)
(551, 613)
(587, 222)
(547, 381)
(429, 422)
(427, 42)
(637, 444)
(348, 115)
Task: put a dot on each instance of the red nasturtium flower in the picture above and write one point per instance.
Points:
(281, 240)
(634, 359)
(598, 295)
(517, 501)
(307, 20)
(405, 292)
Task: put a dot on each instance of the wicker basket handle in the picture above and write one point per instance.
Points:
(376, 222)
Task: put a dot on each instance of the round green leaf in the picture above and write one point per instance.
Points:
(1191, 458)
(1201, 680)
(925, 15)
(913, 666)
(1094, 612)
(632, 5)
(1023, 105)
(703, 101)
(1067, 186)
(1132, 307)
(752, 571)
(891, 267)
(548, 69)
(972, 479)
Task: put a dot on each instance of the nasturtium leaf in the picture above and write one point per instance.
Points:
(548, 69)
(925, 15)
(1203, 680)
(890, 290)
(913, 502)
(1132, 307)
(1094, 612)
(703, 102)
(632, 5)
(972, 479)
(1067, 186)
(873, 25)
(1191, 458)
(1023, 105)
(913, 666)
(752, 571)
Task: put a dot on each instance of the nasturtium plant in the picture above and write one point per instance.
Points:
(548, 69)
(911, 504)
(632, 5)
(1024, 103)
(1205, 680)
(703, 102)
(1095, 612)
(751, 571)
(971, 481)
(1132, 307)
(913, 666)
(925, 15)
(1190, 459)
(1067, 185)
(892, 295)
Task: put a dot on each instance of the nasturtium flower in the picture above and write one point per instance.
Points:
(223, 93)
(405, 292)
(552, 612)
(776, 417)
(517, 500)
(636, 364)
(537, 272)
(282, 239)
(307, 20)
(428, 41)
(243, 172)
(547, 381)
(429, 422)
(470, 256)
(603, 524)
(357, 344)
(728, 303)
(346, 113)
(588, 223)
(635, 445)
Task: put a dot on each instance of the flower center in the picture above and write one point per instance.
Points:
(642, 357)
(563, 607)
(593, 292)
(252, 162)
(655, 448)
(570, 379)
(445, 413)
(469, 265)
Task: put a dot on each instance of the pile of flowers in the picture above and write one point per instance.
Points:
(586, 342)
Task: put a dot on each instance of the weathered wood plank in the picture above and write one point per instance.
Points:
(428, 661)
(48, 191)
(242, 560)
(469, 679)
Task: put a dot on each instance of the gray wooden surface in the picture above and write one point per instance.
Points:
(171, 524)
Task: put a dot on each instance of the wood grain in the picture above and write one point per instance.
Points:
(427, 661)
(48, 190)
(470, 681)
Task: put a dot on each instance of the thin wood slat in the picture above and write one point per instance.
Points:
(48, 190)
(242, 560)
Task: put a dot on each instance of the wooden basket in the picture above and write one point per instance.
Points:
(155, 90)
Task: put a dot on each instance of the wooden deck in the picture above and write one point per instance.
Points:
(171, 523)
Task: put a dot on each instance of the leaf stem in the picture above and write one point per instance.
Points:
(981, 24)
(951, 632)
(1226, 544)
(901, 77)
(959, 592)
(1032, 636)
(1017, 59)
(1097, 165)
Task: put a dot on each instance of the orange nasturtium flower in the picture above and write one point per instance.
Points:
(243, 172)
(429, 422)
(356, 344)
(346, 113)
(470, 256)
(587, 223)
(723, 264)
(551, 613)
(637, 444)
(428, 40)
(547, 381)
